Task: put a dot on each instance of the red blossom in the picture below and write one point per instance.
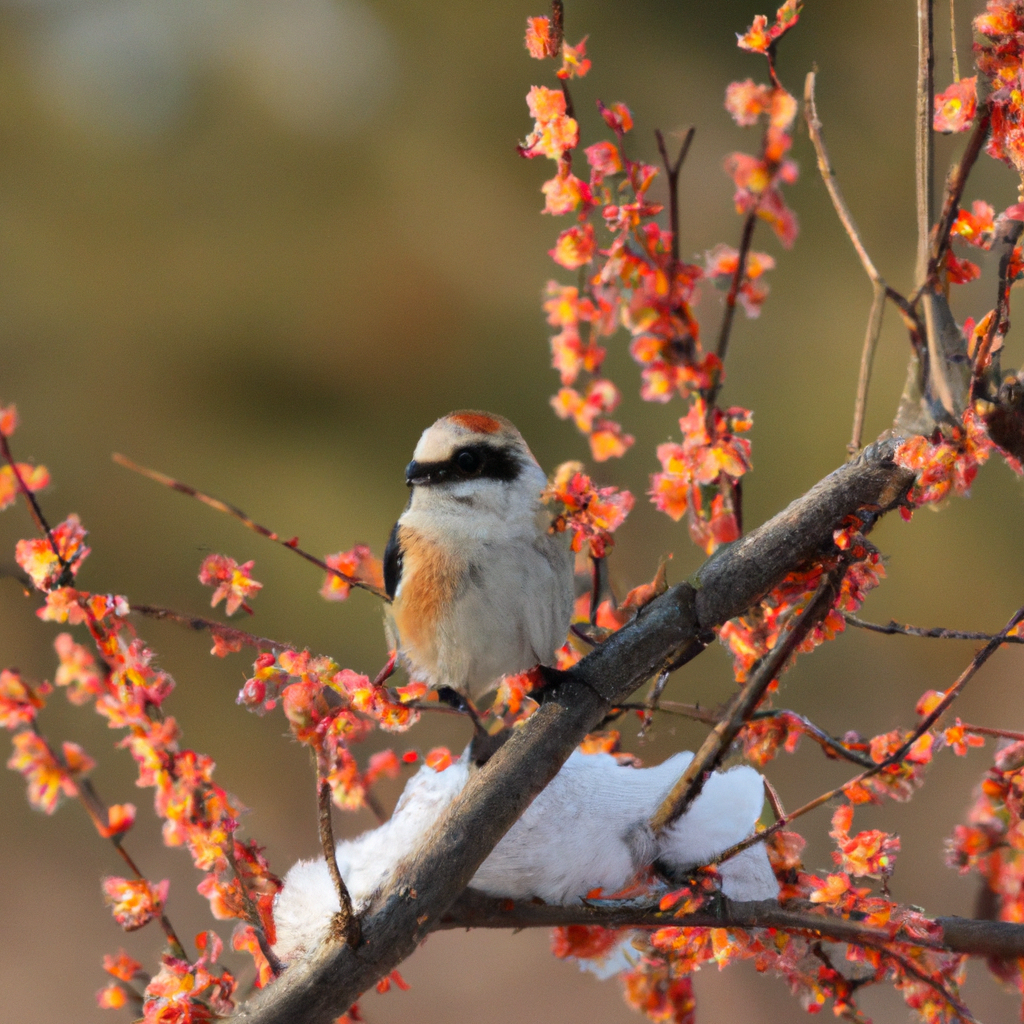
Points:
(8, 420)
(747, 101)
(45, 561)
(957, 737)
(869, 854)
(575, 247)
(541, 42)
(575, 63)
(564, 192)
(617, 117)
(120, 819)
(49, 778)
(359, 563)
(19, 702)
(759, 38)
(720, 267)
(232, 581)
(955, 108)
(693, 472)
(111, 997)
(134, 902)
(554, 132)
(35, 478)
(78, 670)
(977, 227)
(591, 514)
(945, 465)
(584, 942)
(123, 967)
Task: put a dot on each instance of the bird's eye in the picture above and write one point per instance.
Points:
(467, 461)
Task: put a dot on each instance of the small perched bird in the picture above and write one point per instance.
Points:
(480, 587)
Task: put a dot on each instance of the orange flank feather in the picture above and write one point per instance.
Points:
(430, 577)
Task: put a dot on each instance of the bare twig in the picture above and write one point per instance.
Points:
(828, 176)
(830, 744)
(937, 634)
(867, 358)
(743, 705)
(242, 517)
(596, 567)
(952, 39)
(733, 294)
(345, 925)
(196, 622)
(672, 169)
(881, 290)
(923, 144)
(653, 697)
(984, 730)
(774, 800)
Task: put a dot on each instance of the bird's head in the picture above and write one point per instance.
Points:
(474, 459)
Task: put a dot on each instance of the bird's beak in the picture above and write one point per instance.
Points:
(417, 473)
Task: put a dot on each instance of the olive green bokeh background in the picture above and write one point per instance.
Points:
(230, 261)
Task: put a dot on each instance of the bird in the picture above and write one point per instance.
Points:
(480, 585)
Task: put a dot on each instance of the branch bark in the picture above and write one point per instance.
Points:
(675, 625)
(959, 934)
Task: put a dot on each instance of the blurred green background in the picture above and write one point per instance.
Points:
(260, 246)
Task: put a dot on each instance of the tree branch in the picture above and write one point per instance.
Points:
(412, 904)
(959, 935)
(938, 633)
(221, 629)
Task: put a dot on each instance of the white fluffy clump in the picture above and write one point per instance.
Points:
(587, 830)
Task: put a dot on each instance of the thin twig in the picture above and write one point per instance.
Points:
(828, 176)
(830, 744)
(653, 697)
(743, 705)
(985, 730)
(672, 169)
(881, 290)
(100, 816)
(1009, 236)
(924, 150)
(938, 633)
(733, 294)
(952, 39)
(867, 358)
(346, 924)
(196, 622)
(242, 517)
(35, 511)
(774, 800)
(596, 565)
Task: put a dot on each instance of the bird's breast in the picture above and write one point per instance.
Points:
(432, 575)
